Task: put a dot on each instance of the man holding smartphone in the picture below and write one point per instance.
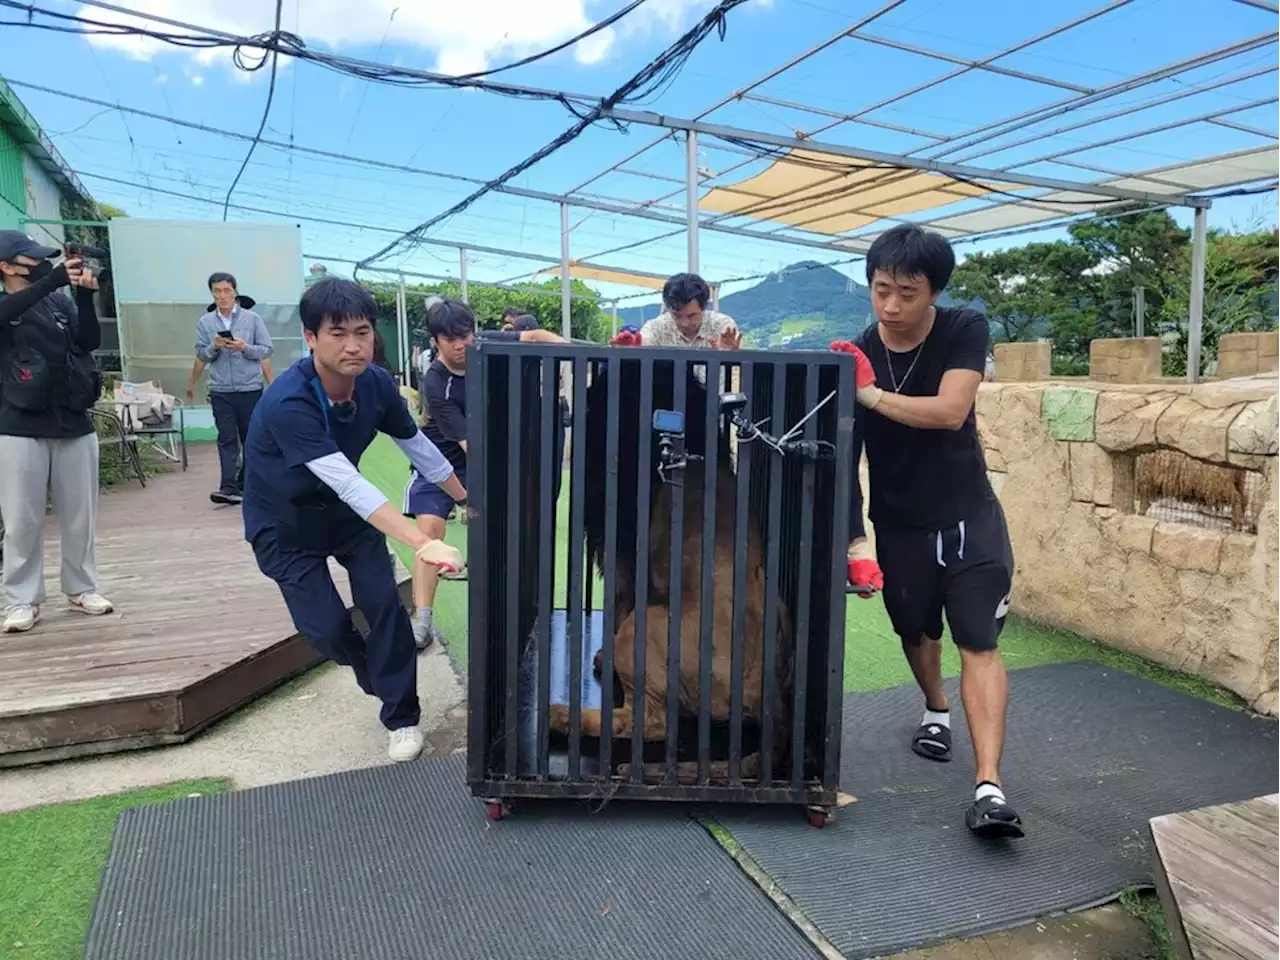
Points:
(232, 343)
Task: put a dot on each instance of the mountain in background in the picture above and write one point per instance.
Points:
(803, 306)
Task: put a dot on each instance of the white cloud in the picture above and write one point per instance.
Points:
(461, 36)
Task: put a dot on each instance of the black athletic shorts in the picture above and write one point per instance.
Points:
(965, 570)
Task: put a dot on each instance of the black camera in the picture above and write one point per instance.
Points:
(668, 422)
(88, 252)
(672, 456)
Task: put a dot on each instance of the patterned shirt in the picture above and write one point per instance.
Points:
(663, 332)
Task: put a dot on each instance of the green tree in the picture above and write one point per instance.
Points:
(1042, 290)
(1140, 250)
(587, 321)
(1240, 274)
(1076, 290)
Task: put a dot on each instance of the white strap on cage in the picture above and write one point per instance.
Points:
(794, 430)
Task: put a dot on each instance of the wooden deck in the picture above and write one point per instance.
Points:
(197, 632)
(1216, 872)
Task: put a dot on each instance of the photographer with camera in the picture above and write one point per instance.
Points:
(49, 380)
(232, 343)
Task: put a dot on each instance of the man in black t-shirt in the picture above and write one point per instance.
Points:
(941, 538)
(451, 326)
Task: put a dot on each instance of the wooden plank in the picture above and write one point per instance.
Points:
(198, 631)
(218, 695)
(91, 723)
(1216, 871)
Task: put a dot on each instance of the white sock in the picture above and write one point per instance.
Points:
(423, 613)
(988, 789)
(940, 717)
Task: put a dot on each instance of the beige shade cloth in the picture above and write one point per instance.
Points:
(831, 195)
(800, 194)
(590, 271)
(1227, 170)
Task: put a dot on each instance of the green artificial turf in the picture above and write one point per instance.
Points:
(387, 468)
(52, 859)
(873, 655)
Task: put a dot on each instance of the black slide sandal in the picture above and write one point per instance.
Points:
(933, 742)
(993, 820)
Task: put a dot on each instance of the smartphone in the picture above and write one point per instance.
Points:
(226, 335)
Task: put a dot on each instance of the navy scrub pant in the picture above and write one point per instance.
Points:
(386, 661)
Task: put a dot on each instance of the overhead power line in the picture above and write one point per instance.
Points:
(478, 248)
(279, 42)
(650, 79)
(236, 135)
(266, 112)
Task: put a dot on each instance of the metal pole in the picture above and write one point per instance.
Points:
(462, 271)
(1195, 322)
(566, 327)
(715, 297)
(566, 303)
(1139, 311)
(613, 327)
(402, 330)
(691, 197)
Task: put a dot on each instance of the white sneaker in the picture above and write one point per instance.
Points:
(20, 618)
(94, 604)
(404, 744)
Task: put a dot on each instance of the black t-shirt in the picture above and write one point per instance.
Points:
(922, 479)
(444, 401)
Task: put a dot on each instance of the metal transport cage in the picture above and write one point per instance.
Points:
(657, 601)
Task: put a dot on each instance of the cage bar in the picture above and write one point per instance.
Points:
(709, 492)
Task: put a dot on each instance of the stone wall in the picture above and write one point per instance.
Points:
(1247, 354)
(1125, 360)
(1197, 599)
(1023, 361)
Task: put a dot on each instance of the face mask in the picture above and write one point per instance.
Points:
(39, 271)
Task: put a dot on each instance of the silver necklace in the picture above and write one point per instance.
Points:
(919, 349)
(888, 359)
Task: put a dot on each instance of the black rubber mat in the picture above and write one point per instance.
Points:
(400, 863)
(1091, 754)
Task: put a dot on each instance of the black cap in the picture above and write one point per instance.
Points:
(15, 243)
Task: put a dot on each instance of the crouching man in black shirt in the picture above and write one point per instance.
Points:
(48, 446)
(452, 326)
(941, 537)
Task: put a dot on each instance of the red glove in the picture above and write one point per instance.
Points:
(864, 377)
(626, 337)
(865, 577)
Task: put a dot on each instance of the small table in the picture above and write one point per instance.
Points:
(1216, 873)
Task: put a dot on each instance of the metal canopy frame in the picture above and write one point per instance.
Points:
(945, 155)
(1036, 198)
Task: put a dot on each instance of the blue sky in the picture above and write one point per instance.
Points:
(480, 135)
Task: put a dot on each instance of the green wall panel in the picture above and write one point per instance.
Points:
(13, 184)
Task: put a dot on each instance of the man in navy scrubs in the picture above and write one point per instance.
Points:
(305, 501)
